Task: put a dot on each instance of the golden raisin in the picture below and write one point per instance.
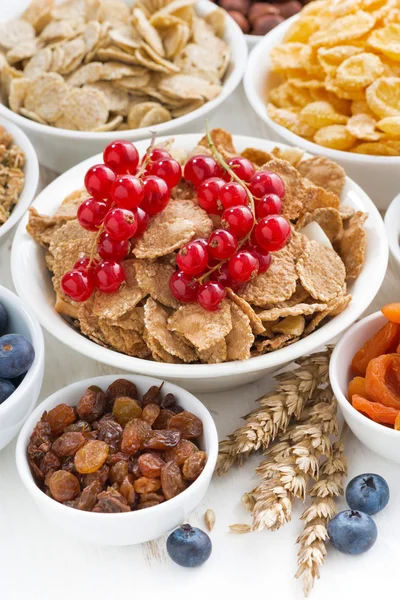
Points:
(150, 464)
(172, 482)
(125, 409)
(150, 413)
(180, 452)
(187, 423)
(145, 485)
(63, 486)
(194, 465)
(91, 456)
(120, 387)
(68, 443)
(134, 435)
(60, 417)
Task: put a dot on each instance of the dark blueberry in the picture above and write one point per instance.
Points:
(3, 319)
(189, 546)
(16, 355)
(6, 389)
(352, 532)
(368, 493)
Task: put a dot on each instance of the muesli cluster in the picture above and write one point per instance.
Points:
(275, 284)
(12, 179)
(103, 66)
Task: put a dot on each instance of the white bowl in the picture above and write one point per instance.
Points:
(19, 405)
(120, 529)
(378, 438)
(33, 283)
(378, 175)
(252, 40)
(31, 172)
(392, 224)
(60, 149)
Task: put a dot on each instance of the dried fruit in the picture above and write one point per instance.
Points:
(125, 409)
(384, 341)
(145, 485)
(63, 486)
(172, 482)
(127, 489)
(150, 464)
(60, 417)
(119, 471)
(92, 404)
(120, 387)
(68, 443)
(194, 465)
(180, 452)
(187, 424)
(88, 497)
(135, 434)
(357, 386)
(91, 457)
(161, 439)
(382, 380)
(150, 413)
(375, 410)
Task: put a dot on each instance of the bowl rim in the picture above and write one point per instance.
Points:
(238, 67)
(258, 57)
(391, 221)
(31, 174)
(74, 339)
(36, 368)
(344, 403)
(105, 380)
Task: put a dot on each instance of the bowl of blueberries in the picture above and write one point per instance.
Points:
(21, 364)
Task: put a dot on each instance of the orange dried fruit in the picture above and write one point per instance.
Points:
(357, 386)
(392, 312)
(375, 410)
(382, 380)
(91, 456)
(397, 423)
(384, 341)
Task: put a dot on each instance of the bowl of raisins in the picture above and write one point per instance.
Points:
(118, 460)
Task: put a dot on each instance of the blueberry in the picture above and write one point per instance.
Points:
(352, 532)
(3, 319)
(6, 389)
(189, 546)
(16, 355)
(368, 493)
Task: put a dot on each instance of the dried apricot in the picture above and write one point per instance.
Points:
(397, 423)
(162, 439)
(64, 486)
(150, 413)
(91, 456)
(181, 452)
(60, 417)
(392, 312)
(187, 423)
(150, 464)
(172, 482)
(357, 386)
(92, 404)
(125, 409)
(382, 380)
(194, 465)
(134, 435)
(145, 485)
(68, 443)
(375, 410)
(383, 342)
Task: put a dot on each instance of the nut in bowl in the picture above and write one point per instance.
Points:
(103, 486)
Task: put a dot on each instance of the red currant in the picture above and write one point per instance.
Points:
(109, 276)
(192, 258)
(78, 285)
(84, 264)
(108, 248)
(127, 192)
(233, 194)
(203, 242)
(91, 214)
(238, 220)
(142, 219)
(264, 258)
(183, 287)
(242, 167)
(210, 295)
(121, 156)
(208, 195)
(156, 195)
(169, 170)
(98, 181)
(223, 277)
(201, 167)
(272, 233)
(221, 244)
(157, 154)
(120, 224)
(266, 182)
(270, 204)
(243, 266)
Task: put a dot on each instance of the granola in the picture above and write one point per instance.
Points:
(12, 161)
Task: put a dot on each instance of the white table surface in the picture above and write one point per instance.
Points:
(39, 562)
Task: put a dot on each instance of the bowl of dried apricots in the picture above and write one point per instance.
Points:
(328, 80)
(365, 376)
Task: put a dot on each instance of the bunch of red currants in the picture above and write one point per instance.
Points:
(124, 195)
(250, 206)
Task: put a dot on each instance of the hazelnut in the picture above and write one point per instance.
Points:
(288, 9)
(266, 23)
(240, 20)
(260, 8)
(241, 6)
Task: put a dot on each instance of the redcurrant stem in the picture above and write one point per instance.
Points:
(148, 153)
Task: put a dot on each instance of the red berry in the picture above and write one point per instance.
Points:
(210, 295)
(108, 248)
(199, 168)
(142, 219)
(221, 244)
(157, 154)
(192, 258)
(266, 182)
(120, 224)
(264, 258)
(238, 220)
(78, 285)
(169, 170)
(84, 264)
(233, 194)
(98, 181)
(91, 214)
(242, 167)
(183, 287)
(127, 192)
(243, 266)
(203, 242)
(208, 195)
(272, 233)
(156, 195)
(121, 156)
(223, 277)
(109, 276)
(270, 204)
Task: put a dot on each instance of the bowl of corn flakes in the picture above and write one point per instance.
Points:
(315, 287)
(75, 75)
(328, 80)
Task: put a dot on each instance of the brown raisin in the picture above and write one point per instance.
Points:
(101, 475)
(177, 409)
(127, 489)
(48, 477)
(162, 420)
(194, 465)
(162, 439)
(91, 456)
(145, 485)
(118, 471)
(68, 443)
(115, 457)
(152, 396)
(92, 404)
(150, 413)
(40, 440)
(111, 501)
(172, 482)
(79, 426)
(125, 409)
(88, 498)
(152, 499)
(36, 472)
(134, 435)
(109, 430)
(150, 464)
(50, 461)
(64, 486)
(60, 417)
(120, 387)
(180, 452)
(187, 423)
(134, 467)
(168, 401)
